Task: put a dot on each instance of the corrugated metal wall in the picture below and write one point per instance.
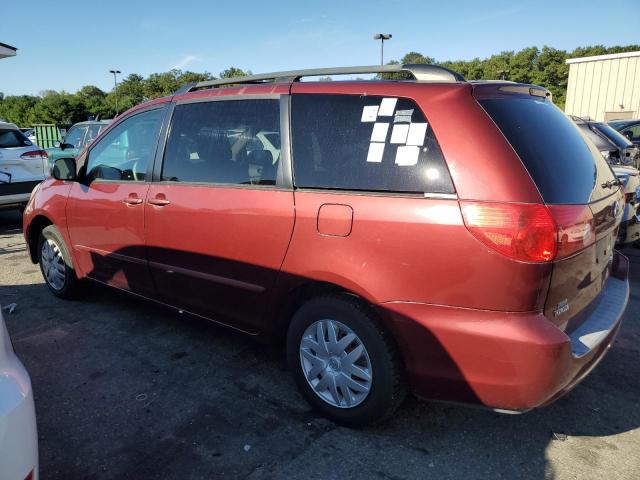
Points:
(606, 88)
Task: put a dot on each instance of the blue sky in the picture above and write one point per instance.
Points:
(75, 43)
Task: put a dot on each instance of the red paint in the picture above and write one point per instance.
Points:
(239, 235)
(335, 220)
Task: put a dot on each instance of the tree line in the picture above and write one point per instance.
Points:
(64, 108)
(545, 67)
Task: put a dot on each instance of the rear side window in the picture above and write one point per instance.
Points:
(371, 143)
(10, 138)
(233, 142)
(566, 167)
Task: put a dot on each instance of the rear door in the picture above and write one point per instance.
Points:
(105, 211)
(580, 189)
(220, 217)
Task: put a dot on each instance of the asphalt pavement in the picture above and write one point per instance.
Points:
(126, 389)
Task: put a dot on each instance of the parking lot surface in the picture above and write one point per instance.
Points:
(128, 389)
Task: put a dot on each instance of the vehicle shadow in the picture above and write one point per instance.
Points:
(129, 389)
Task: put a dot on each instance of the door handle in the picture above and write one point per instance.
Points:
(159, 201)
(133, 199)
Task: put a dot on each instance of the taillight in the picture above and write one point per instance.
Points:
(576, 228)
(530, 232)
(35, 155)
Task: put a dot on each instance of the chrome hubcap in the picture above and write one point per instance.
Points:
(52, 264)
(335, 363)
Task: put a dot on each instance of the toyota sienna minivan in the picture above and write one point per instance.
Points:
(451, 238)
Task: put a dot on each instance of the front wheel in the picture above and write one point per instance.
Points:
(343, 361)
(55, 264)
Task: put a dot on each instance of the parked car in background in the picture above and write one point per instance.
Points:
(76, 138)
(629, 128)
(18, 433)
(411, 235)
(623, 157)
(629, 178)
(30, 133)
(615, 147)
(22, 166)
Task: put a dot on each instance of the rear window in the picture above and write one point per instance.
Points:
(371, 143)
(10, 138)
(566, 167)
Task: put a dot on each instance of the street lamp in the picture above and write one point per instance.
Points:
(115, 84)
(382, 37)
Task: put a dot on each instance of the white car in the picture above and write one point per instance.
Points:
(23, 165)
(18, 434)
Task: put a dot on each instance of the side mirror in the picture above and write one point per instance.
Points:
(64, 169)
(57, 144)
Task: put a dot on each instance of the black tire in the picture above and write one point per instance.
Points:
(71, 287)
(387, 389)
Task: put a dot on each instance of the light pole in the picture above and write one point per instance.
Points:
(382, 37)
(115, 85)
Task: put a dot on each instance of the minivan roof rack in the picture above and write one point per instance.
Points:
(421, 73)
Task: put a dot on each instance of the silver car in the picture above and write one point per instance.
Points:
(22, 166)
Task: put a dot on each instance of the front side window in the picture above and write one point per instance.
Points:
(125, 152)
(364, 142)
(75, 136)
(224, 142)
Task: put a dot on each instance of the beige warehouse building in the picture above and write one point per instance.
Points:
(604, 87)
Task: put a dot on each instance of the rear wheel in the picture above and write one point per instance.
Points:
(55, 264)
(343, 361)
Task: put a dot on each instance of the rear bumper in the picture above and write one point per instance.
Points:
(502, 360)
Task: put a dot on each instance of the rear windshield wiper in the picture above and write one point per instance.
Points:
(611, 183)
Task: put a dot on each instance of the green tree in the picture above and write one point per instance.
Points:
(18, 109)
(498, 66)
(59, 108)
(130, 93)
(233, 72)
(94, 101)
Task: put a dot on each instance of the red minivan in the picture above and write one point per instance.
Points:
(454, 238)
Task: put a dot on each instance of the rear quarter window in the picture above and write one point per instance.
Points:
(10, 138)
(566, 167)
(368, 143)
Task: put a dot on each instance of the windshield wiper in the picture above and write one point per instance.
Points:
(611, 183)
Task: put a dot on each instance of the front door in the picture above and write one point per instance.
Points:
(105, 211)
(218, 222)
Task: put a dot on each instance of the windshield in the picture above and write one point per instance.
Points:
(612, 134)
(74, 136)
